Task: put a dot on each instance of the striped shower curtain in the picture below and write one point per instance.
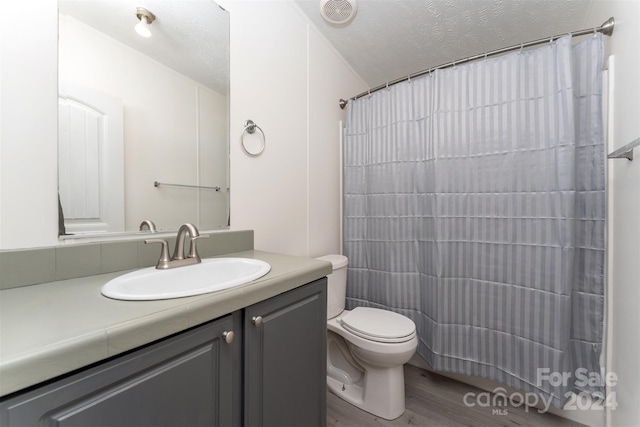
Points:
(474, 203)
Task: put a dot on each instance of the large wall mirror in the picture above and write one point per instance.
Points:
(143, 121)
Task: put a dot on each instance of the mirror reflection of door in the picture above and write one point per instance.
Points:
(174, 91)
(90, 160)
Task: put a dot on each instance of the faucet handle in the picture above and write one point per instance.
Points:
(164, 260)
(193, 248)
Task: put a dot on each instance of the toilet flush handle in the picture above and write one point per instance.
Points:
(256, 320)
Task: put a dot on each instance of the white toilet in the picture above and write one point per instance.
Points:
(366, 349)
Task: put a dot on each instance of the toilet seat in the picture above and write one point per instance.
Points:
(378, 325)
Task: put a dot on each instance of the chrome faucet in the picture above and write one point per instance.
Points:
(179, 259)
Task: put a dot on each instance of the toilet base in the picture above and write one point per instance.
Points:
(380, 392)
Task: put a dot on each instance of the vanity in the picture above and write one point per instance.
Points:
(250, 355)
(254, 354)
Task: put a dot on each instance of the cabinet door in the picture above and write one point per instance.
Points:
(285, 359)
(185, 380)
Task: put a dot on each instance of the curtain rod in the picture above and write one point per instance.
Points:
(606, 28)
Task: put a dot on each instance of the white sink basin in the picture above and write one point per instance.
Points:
(211, 275)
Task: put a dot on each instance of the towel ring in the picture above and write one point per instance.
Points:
(250, 128)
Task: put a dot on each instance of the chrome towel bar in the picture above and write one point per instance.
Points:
(626, 151)
(158, 184)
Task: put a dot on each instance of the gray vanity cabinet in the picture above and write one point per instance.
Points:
(185, 380)
(272, 373)
(285, 359)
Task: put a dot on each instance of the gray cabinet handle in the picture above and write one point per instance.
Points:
(256, 320)
(227, 336)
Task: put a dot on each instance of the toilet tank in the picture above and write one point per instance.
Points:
(337, 284)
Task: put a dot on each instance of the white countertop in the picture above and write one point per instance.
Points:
(54, 328)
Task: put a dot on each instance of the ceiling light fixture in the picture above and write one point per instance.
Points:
(146, 18)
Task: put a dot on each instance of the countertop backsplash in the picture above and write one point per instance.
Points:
(26, 267)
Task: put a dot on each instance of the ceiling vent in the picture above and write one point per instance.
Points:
(338, 12)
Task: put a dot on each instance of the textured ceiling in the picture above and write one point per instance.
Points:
(192, 37)
(389, 39)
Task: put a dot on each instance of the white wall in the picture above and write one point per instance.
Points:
(623, 289)
(172, 125)
(324, 150)
(285, 77)
(28, 124)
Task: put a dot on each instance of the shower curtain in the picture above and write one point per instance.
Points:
(474, 204)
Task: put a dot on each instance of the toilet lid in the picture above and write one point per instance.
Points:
(378, 325)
